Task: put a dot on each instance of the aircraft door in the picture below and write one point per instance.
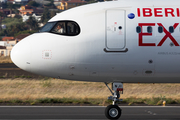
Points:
(115, 31)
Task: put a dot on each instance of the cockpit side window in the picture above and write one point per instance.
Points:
(60, 28)
(72, 28)
(67, 28)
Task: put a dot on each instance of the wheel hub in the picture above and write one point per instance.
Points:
(113, 112)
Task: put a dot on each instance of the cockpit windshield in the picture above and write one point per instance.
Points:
(67, 28)
(47, 27)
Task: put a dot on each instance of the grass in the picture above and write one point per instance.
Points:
(57, 101)
(46, 83)
(89, 101)
(48, 90)
(22, 76)
(4, 59)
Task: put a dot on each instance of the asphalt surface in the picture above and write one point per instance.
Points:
(88, 112)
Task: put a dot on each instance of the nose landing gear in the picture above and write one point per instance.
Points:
(113, 111)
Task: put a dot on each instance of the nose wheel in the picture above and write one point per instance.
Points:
(113, 111)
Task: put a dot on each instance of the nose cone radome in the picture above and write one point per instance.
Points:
(21, 54)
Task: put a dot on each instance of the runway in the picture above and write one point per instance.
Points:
(88, 112)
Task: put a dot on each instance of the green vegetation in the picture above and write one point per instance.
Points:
(56, 100)
(46, 83)
(23, 90)
(33, 3)
(9, 5)
(15, 26)
(22, 76)
(46, 15)
(89, 101)
(26, 31)
(151, 101)
(33, 23)
(53, 13)
(11, 21)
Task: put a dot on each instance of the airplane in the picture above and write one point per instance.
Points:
(125, 41)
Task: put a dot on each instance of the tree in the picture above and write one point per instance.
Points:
(53, 13)
(3, 5)
(10, 6)
(16, 11)
(1, 15)
(32, 22)
(13, 29)
(18, 16)
(46, 15)
(33, 3)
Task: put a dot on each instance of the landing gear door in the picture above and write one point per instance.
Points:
(115, 31)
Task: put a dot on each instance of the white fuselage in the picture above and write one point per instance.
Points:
(108, 47)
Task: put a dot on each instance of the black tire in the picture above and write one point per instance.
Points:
(112, 112)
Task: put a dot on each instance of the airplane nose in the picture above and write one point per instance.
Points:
(21, 54)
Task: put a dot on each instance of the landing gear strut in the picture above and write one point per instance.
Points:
(113, 111)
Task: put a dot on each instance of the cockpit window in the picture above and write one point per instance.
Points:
(60, 28)
(67, 28)
(72, 28)
(47, 27)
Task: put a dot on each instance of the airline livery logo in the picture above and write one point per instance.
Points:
(158, 12)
